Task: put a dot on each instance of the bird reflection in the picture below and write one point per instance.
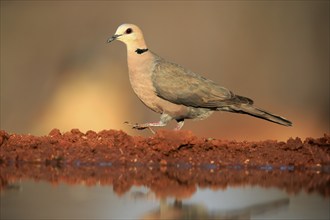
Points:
(179, 210)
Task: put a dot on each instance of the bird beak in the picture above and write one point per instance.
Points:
(114, 37)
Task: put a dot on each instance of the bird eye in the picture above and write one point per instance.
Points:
(128, 31)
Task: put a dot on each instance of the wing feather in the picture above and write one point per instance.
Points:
(181, 86)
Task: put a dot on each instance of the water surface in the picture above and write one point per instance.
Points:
(107, 192)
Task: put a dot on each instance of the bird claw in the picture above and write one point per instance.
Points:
(139, 127)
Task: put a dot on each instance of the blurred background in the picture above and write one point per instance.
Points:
(57, 71)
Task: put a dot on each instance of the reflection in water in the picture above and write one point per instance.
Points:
(160, 192)
(171, 181)
(12, 187)
(178, 210)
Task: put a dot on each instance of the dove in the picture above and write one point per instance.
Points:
(175, 92)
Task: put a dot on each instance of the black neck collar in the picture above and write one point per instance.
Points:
(141, 51)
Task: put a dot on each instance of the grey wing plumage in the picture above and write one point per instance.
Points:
(181, 86)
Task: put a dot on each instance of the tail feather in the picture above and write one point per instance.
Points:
(259, 113)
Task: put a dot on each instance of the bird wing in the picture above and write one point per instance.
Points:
(181, 86)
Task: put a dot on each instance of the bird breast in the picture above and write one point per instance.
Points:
(140, 68)
(140, 79)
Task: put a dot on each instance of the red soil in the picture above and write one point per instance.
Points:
(170, 163)
(165, 147)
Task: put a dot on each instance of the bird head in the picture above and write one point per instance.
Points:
(128, 33)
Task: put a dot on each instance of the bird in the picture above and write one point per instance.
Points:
(176, 92)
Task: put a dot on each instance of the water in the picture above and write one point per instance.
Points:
(33, 191)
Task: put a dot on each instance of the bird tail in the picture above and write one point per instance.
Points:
(259, 113)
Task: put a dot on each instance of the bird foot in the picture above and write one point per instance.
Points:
(136, 125)
(179, 125)
(140, 126)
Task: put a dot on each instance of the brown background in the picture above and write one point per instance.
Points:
(58, 72)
